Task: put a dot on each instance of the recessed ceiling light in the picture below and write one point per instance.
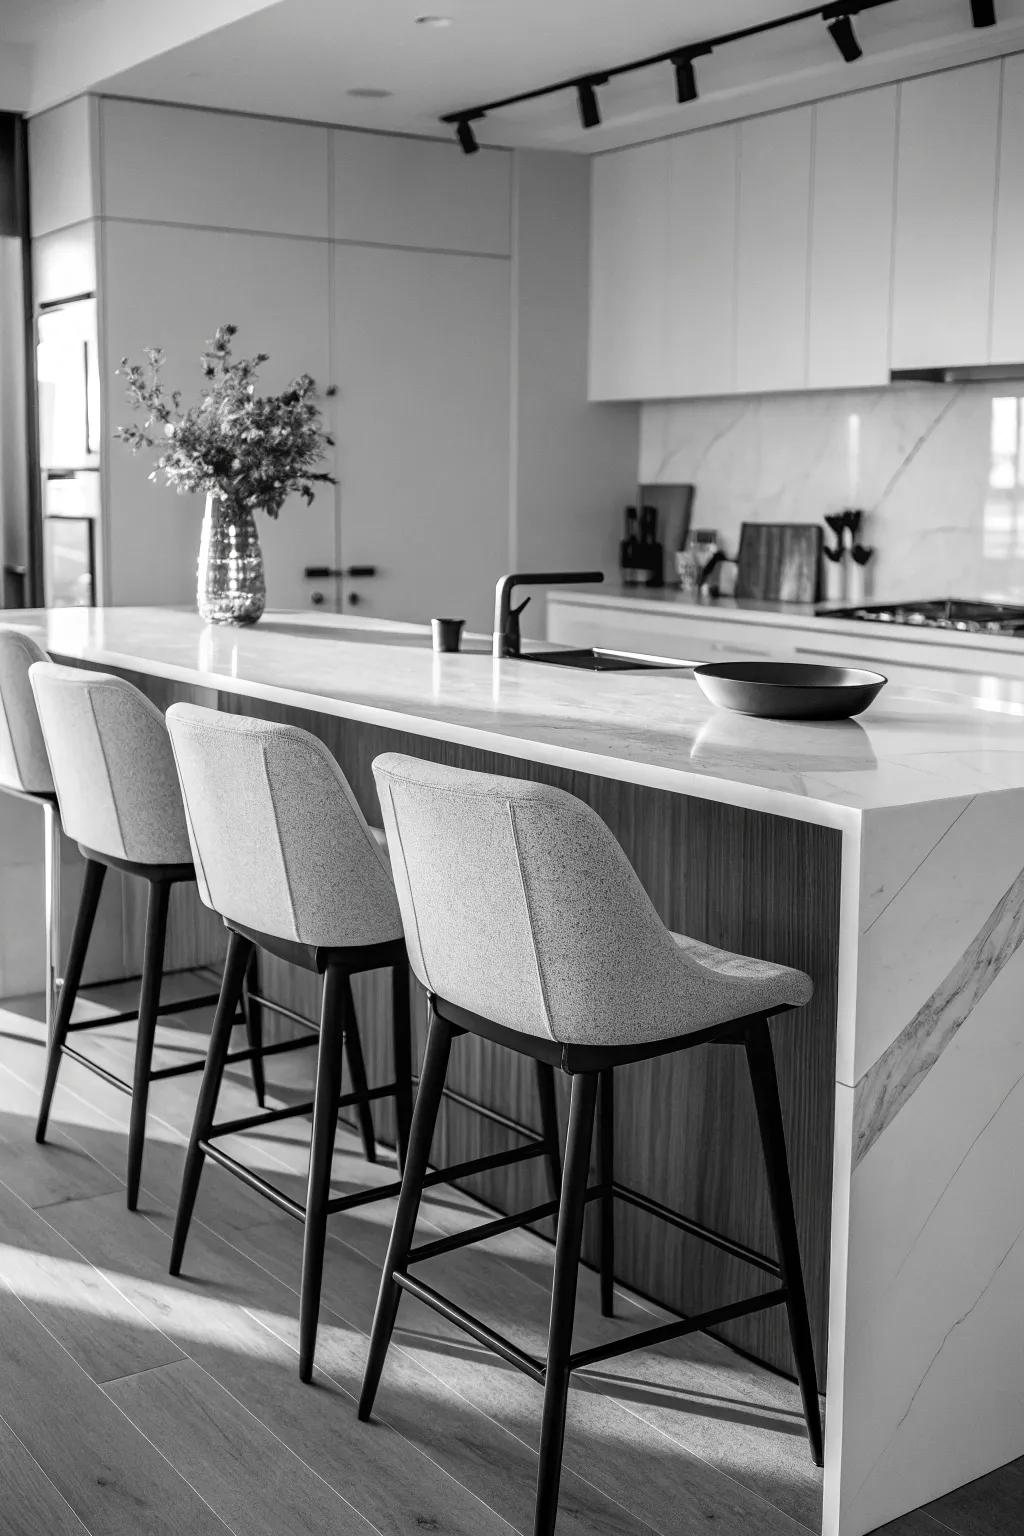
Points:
(368, 92)
(433, 21)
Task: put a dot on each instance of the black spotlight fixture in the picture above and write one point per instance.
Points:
(840, 28)
(983, 13)
(686, 79)
(586, 94)
(464, 132)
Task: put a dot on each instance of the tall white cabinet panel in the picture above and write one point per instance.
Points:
(629, 262)
(945, 215)
(772, 251)
(701, 330)
(1007, 341)
(852, 240)
(420, 192)
(60, 166)
(213, 168)
(422, 348)
(171, 287)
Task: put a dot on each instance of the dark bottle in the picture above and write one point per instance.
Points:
(629, 551)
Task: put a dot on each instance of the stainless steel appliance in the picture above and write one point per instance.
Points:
(69, 450)
(970, 615)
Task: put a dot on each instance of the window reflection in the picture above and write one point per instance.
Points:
(1003, 529)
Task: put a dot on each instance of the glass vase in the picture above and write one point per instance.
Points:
(230, 587)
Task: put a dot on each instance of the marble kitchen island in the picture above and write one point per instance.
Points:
(885, 856)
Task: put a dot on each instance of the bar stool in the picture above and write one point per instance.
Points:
(25, 772)
(118, 793)
(528, 926)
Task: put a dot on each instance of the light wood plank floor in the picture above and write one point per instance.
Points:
(132, 1404)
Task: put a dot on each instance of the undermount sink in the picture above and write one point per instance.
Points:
(598, 659)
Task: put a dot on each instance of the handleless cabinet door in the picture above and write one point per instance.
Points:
(1007, 344)
(851, 240)
(701, 333)
(945, 213)
(629, 273)
(772, 251)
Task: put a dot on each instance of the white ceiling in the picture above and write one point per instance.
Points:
(300, 58)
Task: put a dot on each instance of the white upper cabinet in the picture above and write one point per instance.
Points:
(851, 240)
(1007, 343)
(945, 216)
(215, 169)
(60, 166)
(701, 315)
(772, 251)
(420, 192)
(629, 264)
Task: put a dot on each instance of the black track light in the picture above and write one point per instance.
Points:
(465, 135)
(845, 38)
(983, 13)
(686, 79)
(590, 111)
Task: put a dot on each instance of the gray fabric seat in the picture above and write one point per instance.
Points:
(117, 787)
(281, 846)
(112, 765)
(25, 771)
(24, 764)
(520, 906)
(285, 855)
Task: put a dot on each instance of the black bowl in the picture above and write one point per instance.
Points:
(788, 690)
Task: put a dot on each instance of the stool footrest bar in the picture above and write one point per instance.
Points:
(696, 1229)
(483, 1230)
(178, 1070)
(286, 1013)
(484, 1164)
(471, 1325)
(494, 1115)
(131, 1015)
(254, 1180)
(265, 1117)
(94, 1066)
(652, 1336)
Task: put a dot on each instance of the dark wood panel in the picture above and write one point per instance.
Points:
(685, 1126)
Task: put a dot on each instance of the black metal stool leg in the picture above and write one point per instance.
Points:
(91, 888)
(606, 1178)
(149, 1003)
(428, 1102)
(764, 1081)
(401, 1032)
(549, 1125)
(254, 1025)
(563, 1297)
(337, 1019)
(206, 1105)
(357, 1068)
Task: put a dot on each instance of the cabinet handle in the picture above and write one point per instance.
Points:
(326, 572)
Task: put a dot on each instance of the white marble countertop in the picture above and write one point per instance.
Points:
(800, 616)
(912, 747)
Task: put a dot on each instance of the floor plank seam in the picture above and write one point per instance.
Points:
(516, 1274)
(44, 1475)
(341, 1242)
(81, 1369)
(171, 1365)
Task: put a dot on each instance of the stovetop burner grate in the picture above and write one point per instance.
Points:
(970, 616)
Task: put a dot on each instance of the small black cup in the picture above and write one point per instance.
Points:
(447, 633)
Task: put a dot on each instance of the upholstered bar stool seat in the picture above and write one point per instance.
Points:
(527, 925)
(285, 856)
(25, 772)
(117, 788)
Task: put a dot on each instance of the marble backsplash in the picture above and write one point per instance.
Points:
(938, 470)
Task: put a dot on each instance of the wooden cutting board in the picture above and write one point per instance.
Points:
(779, 562)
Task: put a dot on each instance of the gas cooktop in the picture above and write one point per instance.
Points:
(965, 614)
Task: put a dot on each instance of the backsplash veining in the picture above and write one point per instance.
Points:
(938, 470)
